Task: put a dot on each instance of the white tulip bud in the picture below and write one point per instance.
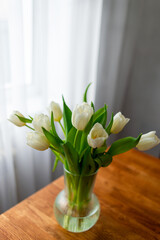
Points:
(81, 115)
(37, 141)
(15, 120)
(148, 141)
(57, 112)
(41, 120)
(119, 122)
(97, 136)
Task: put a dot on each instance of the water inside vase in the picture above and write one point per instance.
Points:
(75, 220)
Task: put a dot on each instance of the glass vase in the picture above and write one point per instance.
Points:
(77, 208)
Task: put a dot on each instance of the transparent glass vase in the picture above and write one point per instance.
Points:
(77, 208)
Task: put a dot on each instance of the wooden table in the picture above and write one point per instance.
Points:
(129, 194)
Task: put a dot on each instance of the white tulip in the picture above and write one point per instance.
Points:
(37, 141)
(148, 141)
(81, 115)
(119, 122)
(41, 120)
(57, 112)
(97, 136)
(15, 120)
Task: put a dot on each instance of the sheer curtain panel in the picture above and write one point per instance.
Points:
(46, 48)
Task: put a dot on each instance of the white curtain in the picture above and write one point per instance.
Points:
(47, 48)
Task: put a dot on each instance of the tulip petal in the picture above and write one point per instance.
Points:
(148, 141)
(97, 136)
(81, 115)
(37, 141)
(41, 120)
(119, 122)
(14, 118)
(57, 112)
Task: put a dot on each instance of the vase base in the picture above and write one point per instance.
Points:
(67, 219)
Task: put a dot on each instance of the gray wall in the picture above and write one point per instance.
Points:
(129, 64)
(142, 96)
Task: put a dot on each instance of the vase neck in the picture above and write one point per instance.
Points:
(79, 188)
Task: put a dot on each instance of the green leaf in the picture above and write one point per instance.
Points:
(54, 129)
(92, 105)
(108, 129)
(55, 164)
(52, 124)
(23, 119)
(67, 114)
(85, 133)
(53, 140)
(57, 154)
(100, 116)
(100, 150)
(85, 93)
(30, 117)
(72, 157)
(97, 114)
(98, 161)
(82, 153)
(123, 145)
(89, 125)
(103, 119)
(71, 135)
(58, 158)
(56, 150)
(88, 164)
(104, 160)
(78, 140)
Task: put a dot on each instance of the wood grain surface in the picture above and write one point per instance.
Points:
(129, 194)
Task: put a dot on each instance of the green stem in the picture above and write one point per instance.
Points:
(62, 128)
(78, 194)
(58, 155)
(30, 127)
(57, 150)
(92, 151)
(74, 144)
(61, 159)
(64, 161)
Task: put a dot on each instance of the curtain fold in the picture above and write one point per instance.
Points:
(23, 170)
(47, 49)
(114, 19)
(73, 47)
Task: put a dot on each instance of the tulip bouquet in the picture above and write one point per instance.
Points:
(83, 149)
